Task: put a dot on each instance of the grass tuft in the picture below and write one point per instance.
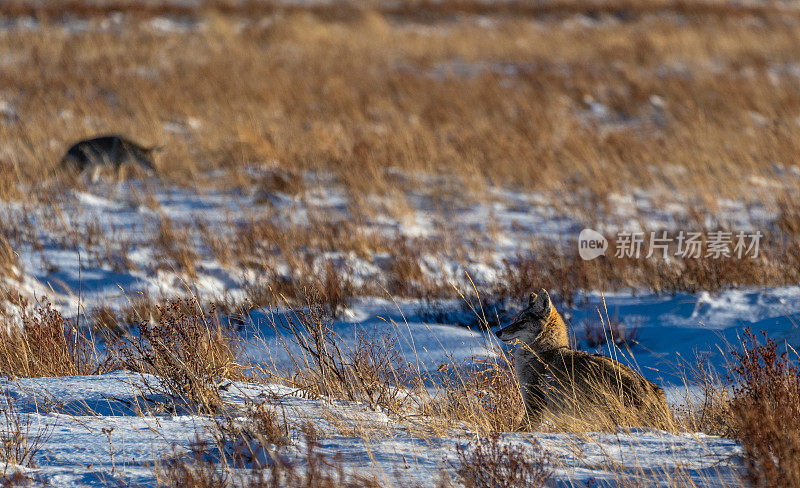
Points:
(766, 404)
(492, 463)
(18, 442)
(45, 343)
(190, 352)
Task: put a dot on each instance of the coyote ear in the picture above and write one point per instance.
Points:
(531, 299)
(542, 306)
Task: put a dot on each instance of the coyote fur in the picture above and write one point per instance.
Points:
(104, 153)
(559, 383)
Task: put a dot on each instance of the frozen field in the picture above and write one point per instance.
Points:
(411, 170)
(457, 236)
(673, 332)
(75, 410)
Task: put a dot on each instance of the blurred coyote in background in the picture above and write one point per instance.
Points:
(560, 384)
(113, 153)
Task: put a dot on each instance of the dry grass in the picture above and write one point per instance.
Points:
(106, 323)
(710, 412)
(373, 371)
(174, 249)
(567, 274)
(422, 9)
(383, 90)
(632, 94)
(484, 395)
(788, 220)
(254, 441)
(189, 350)
(480, 394)
(758, 404)
(766, 406)
(195, 470)
(598, 333)
(9, 263)
(361, 95)
(19, 439)
(199, 470)
(491, 464)
(45, 343)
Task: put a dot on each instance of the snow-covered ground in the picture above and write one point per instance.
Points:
(673, 330)
(463, 236)
(76, 415)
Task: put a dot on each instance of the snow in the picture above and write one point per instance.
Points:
(73, 411)
(480, 233)
(471, 235)
(76, 415)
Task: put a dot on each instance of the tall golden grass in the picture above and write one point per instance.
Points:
(44, 343)
(505, 101)
(698, 102)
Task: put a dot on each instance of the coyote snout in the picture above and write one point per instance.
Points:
(561, 384)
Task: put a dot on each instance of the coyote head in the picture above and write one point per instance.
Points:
(538, 325)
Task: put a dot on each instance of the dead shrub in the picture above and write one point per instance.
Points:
(320, 471)
(490, 463)
(46, 344)
(484, 393)
(766, 407)
(710, 412)
(18, 442)
(373, 371)
(254, 441)
(263, 420)
(17, 479)
(198, 469)
(380, 370)
(188, 350)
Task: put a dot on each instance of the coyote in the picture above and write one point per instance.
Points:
(112, 152)
(559, 383)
